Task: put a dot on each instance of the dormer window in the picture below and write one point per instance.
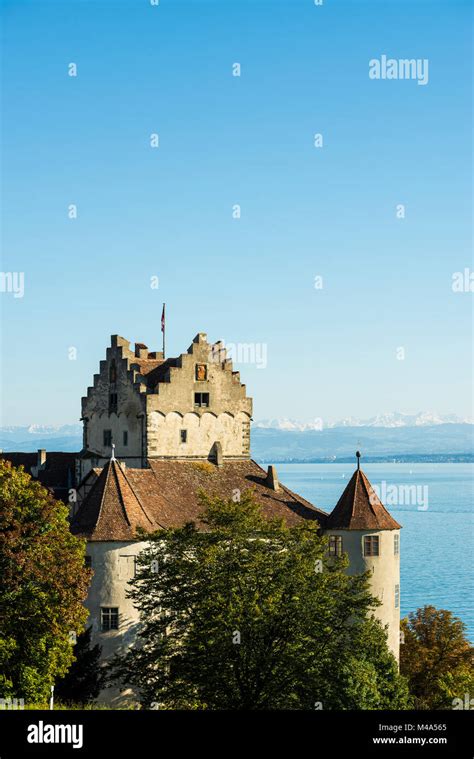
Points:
(201, 400)
(113, 372)
(371, 545)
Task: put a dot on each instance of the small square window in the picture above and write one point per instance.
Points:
(201, 400)
(201, 372)
(109, 618)
(335, 545)
(183, 436)
(107, 438)
(397, 596)
(396, 544)
(125, 437)
(371, 545)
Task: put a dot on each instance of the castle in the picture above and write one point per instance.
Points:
(149, 424)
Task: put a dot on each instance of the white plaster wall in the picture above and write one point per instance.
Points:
(117, 424)
(108, 588)
(384, 571)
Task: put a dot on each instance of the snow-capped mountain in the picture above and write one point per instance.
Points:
(387, 420)
(61, 437)
(289, 424)
(282, 439)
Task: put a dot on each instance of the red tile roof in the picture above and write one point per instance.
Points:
(359, 508)
(166, 495)
(58, 473)
(111, 510)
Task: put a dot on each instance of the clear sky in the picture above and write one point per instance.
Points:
(248, 140)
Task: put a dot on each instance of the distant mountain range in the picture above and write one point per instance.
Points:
(389, 420)
(387, 437)
(440, 442)
(66, 437)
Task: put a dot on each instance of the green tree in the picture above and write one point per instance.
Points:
(247, 613)
(85, 679)
(436, 658)
(43, 583)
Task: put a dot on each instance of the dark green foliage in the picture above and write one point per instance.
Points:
(43, 584)
(250, 614)
(85, 678)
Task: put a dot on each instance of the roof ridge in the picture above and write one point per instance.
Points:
(366, 480)
(96, 483)
(151, 521)
(357, 471)
(294, 495)
(119, 490)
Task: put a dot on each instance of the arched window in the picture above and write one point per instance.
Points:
(113, 372)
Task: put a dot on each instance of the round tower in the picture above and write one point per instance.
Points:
(361, 526)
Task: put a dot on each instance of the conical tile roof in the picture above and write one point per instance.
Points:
(359, 508)
(112, 510)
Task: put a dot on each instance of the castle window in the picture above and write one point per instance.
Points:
(125, 437)
(127, 566)
(396, 544)
(397, 596)
(201, 372)
(201, 399)
(183, 436)
(107, 438)
(109, 618)
(112, 403)
(88, 561)
(335, 545)
(371, 545)
(113, 372)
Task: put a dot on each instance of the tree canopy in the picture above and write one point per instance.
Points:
(43, 583)
(436, 658)
(86, 678)
(240, 612)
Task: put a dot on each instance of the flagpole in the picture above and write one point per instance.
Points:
(163, 327)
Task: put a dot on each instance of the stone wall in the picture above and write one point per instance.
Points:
(153, 417)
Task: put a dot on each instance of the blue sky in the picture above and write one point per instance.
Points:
(248, 140)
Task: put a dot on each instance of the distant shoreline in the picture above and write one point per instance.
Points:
(435, 458)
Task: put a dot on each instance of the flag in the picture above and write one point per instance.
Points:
(163, 319)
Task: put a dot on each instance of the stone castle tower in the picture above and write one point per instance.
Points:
(361, 527)
(148, 407)
(162, 419)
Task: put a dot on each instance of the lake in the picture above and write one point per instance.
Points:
(434, 503)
